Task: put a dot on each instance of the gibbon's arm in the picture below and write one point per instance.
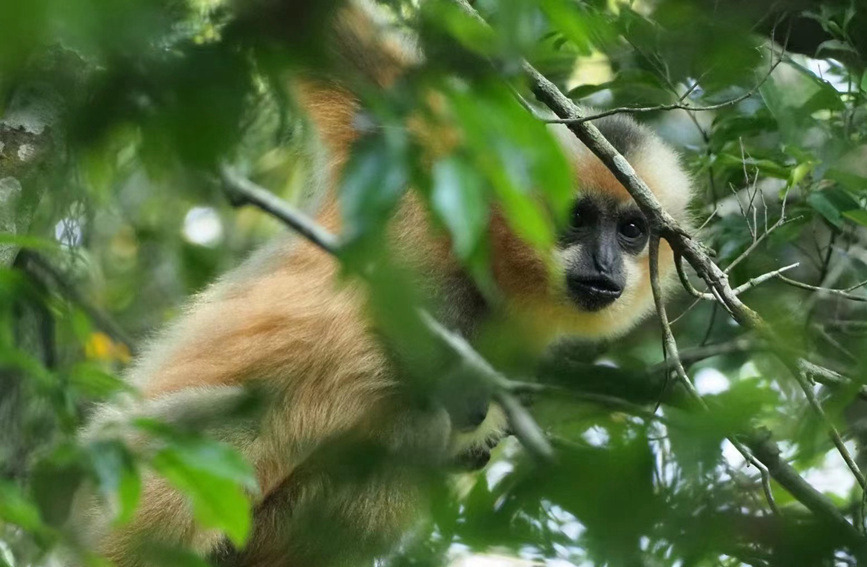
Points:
(291, 333)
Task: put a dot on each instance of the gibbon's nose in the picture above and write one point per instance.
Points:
(593, 292)
(606, 258)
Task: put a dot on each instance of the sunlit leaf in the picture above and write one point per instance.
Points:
(17, 509)
(219, 501)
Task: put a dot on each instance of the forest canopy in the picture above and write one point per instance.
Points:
(149, 146)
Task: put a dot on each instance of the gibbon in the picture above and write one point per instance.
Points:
(333, 391)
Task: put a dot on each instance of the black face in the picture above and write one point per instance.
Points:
(599, 235)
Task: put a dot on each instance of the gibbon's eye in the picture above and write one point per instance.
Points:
(633, 231)
(582, 214)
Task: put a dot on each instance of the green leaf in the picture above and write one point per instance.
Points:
(799, 172)
(374, 180)
(215, 477)
(54, 481)
(200, 453)
(16, 509)
(117, 477)
(458, 197)
(156, 554)
(835, 45)
(470, 33)
(582, 27)
(93, 382)
(218, 502)
(28, 242)
(793, 94)
(858, 216)
(851, 170)
(519, 158)
(830, 203)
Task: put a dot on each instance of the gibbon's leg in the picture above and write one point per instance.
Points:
(354, 498)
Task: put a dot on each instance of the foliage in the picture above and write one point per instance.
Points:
(152, 96)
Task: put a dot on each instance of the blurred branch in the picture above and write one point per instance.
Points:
(242, 191)
(520, 420)
(49, 276)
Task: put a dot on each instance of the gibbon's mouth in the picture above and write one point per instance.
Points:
(593, 293)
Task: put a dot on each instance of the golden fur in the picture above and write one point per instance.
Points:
(283, 324)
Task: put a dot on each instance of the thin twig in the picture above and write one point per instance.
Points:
(679, 105)
(673, 357)
(807, 387)
(829, 291)
(753, 282)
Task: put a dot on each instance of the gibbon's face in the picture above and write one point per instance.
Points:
(598, 250)
(596, 283)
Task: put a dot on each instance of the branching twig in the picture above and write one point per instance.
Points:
(673, 356)
(751, 283)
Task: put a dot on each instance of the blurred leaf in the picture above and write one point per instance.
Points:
(54, 481)
(117, 476)
(472, 34)
(858, 216)
(520, 160)
(793, 94)
(835, 45)
(374, 180)
(213, 475)
(581, 26)
(200, 453)
(831, 203)
(28, 242)
(799, 172)
(17, 509)
(460, 202)
(851, 169)
(161, 555)
(93, 382)
(218, 502)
